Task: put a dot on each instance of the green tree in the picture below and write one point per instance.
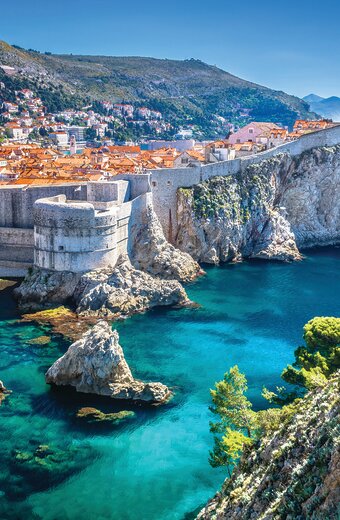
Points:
(43, 132)
(319, 358)
(236, 423)
(90, 134)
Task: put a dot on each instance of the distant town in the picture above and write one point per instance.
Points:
(38, 147)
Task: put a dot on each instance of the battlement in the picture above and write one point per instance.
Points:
(82, 227)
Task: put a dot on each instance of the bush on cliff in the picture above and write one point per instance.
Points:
(239, 426)
(315, 362)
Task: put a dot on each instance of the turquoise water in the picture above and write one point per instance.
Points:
(153, 467)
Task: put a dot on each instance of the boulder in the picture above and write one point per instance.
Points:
(124, 291)
(96, 364)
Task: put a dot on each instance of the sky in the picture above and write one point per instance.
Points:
(287, 45)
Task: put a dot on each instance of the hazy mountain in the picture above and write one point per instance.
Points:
(313, 98)
(326, 107)
(188, 91)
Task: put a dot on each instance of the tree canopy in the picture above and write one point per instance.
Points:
(320, 357)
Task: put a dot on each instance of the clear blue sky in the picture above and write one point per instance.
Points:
(287, 45)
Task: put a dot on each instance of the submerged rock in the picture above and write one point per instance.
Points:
(44, 466)
(41, 340)
(96, 364)
(4, 284)
(61, 319)
(94, 415)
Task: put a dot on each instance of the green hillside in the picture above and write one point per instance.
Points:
(186, 92)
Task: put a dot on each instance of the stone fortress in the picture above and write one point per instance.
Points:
(82, 226)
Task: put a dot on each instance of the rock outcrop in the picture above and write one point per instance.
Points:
(42, 288)
(310, 192)
(109, 293)
(268, 210)
(153, 254)
(124, 291)
(292, 474)
(96, 364)
(3, 392)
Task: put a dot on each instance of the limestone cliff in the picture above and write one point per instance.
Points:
(152, 253)
(267, 210)
(294, 473)
(96, 364)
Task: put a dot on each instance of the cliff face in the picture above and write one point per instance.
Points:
(311, 195)
(294, 473)
(266, 211)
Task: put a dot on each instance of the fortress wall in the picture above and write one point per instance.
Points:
(16, 202)
(139, 183)
(128, 215)
(165, 182)
(72, 237)
(164, 185)
(16, 244)
(108, 191)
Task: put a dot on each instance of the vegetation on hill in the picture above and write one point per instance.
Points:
(292, 472)
(187, 92)
(239, 429)
(238, 425)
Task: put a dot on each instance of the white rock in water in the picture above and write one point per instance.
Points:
(96, 364)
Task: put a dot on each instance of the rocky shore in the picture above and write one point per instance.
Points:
(150, 276)
(109, 293)
(269, 210)
(96, 364)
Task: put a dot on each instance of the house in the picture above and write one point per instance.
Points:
(219, 151)
(189, 158)
(250, 132)
(10, 107)
(26, 93)
(59, 138)
(15, 131)
(303, 127)
(248, 148)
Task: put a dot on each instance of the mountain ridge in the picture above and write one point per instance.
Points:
(186, 91)
(326, 107)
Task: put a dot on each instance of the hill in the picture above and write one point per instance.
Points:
(186, 92)
(326, 107)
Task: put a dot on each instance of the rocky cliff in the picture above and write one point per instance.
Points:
(268, 210)
(293, 474)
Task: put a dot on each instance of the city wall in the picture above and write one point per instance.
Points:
(165, 182)
(108, 209)
(80, 236)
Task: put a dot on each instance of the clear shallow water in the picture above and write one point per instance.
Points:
(153, 467)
